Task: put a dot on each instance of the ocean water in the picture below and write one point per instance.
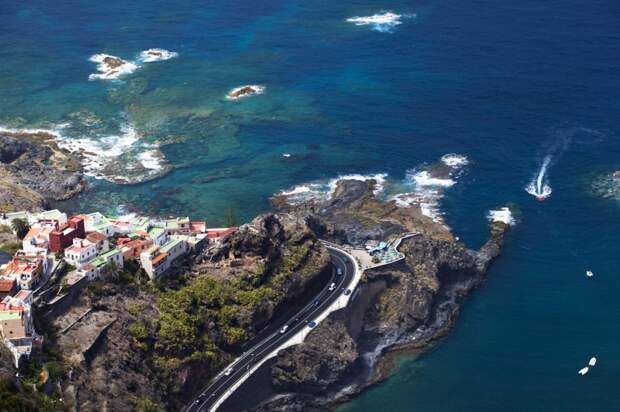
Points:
(503, 83)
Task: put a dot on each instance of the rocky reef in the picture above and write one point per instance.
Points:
(33, 172)
(404, 307)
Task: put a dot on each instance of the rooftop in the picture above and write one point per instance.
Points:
(4, 315)
(169, 245)
(109, 253)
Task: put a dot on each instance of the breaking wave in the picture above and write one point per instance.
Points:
(425, 188)
(245, 91)
(381, 22)
(156, 55)
(120, 158)
(323, 190)
(503, 215)
(111, 67)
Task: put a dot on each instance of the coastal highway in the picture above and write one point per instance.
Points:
(219, 387)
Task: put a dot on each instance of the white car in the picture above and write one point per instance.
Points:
(332, 287)
(228, 371)
(284, 329)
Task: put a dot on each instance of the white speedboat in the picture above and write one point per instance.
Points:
(592, 361)
(583, 371)
(589, 273)
(286, 155)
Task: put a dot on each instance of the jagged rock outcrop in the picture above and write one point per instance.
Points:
(406, 306)
(323, 359)
(33, 174)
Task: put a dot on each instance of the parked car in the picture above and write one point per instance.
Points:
(311, 324)
(347, 292)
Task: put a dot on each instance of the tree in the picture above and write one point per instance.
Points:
(20, 227)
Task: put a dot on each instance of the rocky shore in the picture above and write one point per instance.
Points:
(404, 307)
(34, 171)
(128, 344)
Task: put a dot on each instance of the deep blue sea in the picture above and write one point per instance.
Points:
(505, 83)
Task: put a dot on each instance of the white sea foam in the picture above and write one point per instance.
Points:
(381, 22)
(323, 190)
(455, 160)
(156, 55)
(503, 215)
(252, 89)
(125, 151)
(427, 190)
(111, 67)
(538, 186)
(151, 159)
(424, 178)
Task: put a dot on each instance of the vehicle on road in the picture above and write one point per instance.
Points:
(311, 324)
(338, 271)
(228, 371)
(332, 287)
(284, 329)
(347, 292)
(316, 302)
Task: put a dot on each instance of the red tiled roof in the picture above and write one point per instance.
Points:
(7, 285)
(95, 237)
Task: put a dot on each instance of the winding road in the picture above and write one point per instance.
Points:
(344, 273)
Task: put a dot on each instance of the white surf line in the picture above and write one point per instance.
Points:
(300, 336)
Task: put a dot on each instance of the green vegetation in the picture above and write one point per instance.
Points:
(138, 331)
(20, 227)
(145, 404)
(10, 248)
(5, 229)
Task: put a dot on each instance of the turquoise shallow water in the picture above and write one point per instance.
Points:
(504, 83)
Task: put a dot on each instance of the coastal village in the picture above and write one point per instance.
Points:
(82, 249)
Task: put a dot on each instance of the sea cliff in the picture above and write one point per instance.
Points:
(404, 307)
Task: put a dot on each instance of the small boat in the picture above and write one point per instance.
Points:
(286, 155)
(583, 371)
(589, 273)
(592, 361)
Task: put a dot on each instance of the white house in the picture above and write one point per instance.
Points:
(81, 252)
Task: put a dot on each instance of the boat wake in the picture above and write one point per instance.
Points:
(539, 186)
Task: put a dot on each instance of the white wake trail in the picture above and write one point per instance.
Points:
(539, 187)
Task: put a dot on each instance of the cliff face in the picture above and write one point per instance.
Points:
(129, 343)
(33, 174)
(402, 307)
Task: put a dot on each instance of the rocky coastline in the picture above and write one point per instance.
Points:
(156, 345)
(402, 308)
(35, 172)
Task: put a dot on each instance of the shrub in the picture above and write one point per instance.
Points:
(138, 331)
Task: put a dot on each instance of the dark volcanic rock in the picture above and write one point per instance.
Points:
(409, 305)
(28, 177)
(319, 362)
